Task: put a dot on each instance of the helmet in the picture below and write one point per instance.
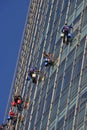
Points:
(8, 118)
(13, 103)
(11, 113)
(19, 101)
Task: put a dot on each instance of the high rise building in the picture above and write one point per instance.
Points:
(58, 101)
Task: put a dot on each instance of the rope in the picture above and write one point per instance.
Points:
(77, 98)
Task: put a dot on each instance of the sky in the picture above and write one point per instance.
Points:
(12, 20)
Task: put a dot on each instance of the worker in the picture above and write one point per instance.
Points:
(33, 71)
(48, 59)
(19, 103)
(17, 99)
(12, 116)
(66, 29)
(66, 35)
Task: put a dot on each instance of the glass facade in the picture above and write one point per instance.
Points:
(59, 102)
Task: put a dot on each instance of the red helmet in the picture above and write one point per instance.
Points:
(11, 113)
(19, 101)
(13, 103)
